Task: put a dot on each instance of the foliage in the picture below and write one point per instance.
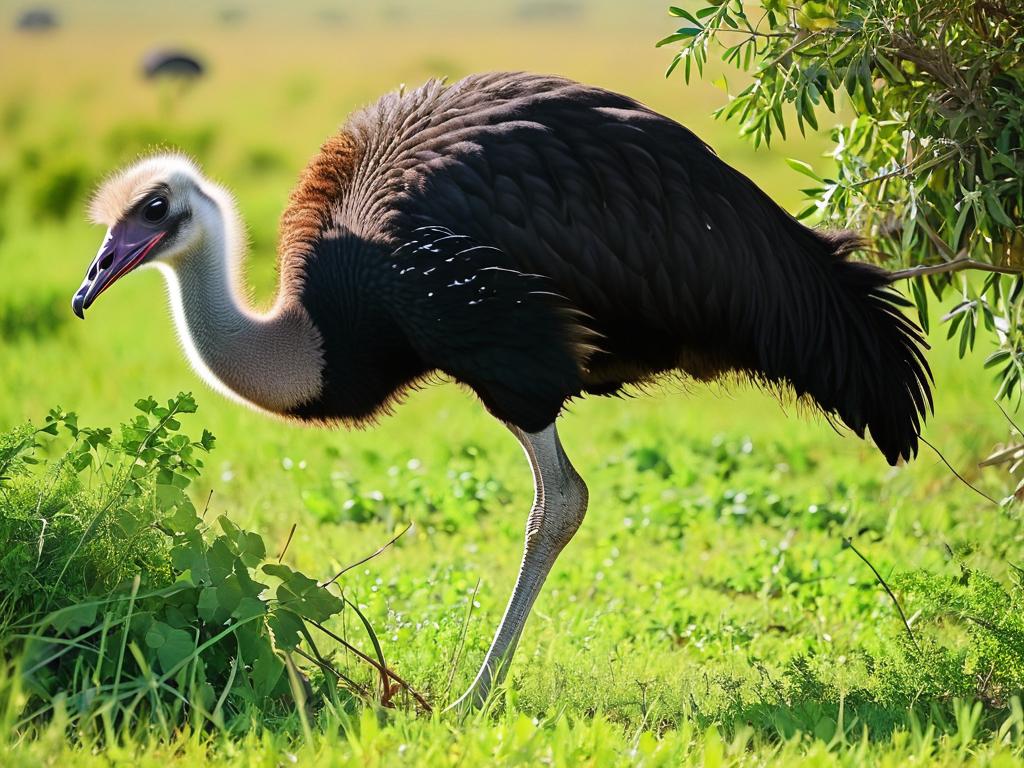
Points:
(58, 189)
(117, 600)
(930, 166)
(448, 502)
(129, 139)
(991, 666)
(263, 160)
(34, 316)
(120, 604)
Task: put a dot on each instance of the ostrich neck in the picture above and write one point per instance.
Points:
(271, 360)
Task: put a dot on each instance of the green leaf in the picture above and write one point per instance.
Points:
(207, 441)
(806, 109)
(675, 63)
(172, 646)
(267, 667)
(221, 560)
(807, 212)
(685, 33)
(286, 627)
(892, 73)
(303, 595)
(189, 554)
(146, 405)
(961, 223)
(682, 13)
(801, 167)
(920, 294)
(995, 209)
(74, 617)
(209, 607)
(867, 87)
(997, 358)
(248, 607)
(237, 588)
(184, 518)
(183, 403)
(779, 120)
(246, 545)
(230, 593)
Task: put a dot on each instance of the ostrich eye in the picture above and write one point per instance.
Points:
(155, 209)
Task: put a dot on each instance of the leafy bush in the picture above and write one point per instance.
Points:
(930, 166)
(966, 644)
(990, 665)
(967, 649)
(117, 600)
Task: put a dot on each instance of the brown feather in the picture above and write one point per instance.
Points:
(312, 205)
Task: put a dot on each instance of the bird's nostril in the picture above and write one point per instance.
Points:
(106, 261)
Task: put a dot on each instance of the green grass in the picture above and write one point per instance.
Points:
(707, 612)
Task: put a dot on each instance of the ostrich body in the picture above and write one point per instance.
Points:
(535, 240)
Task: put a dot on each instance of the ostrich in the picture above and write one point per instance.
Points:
(162, 63)
(535, 240)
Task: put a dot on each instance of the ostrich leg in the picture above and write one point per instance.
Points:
(559, 504)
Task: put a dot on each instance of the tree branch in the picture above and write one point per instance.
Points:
(790, 50)
(957, 265)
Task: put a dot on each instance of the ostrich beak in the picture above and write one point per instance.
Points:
(127, 244)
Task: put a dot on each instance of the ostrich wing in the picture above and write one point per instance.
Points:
(630, 215)
(467, 313)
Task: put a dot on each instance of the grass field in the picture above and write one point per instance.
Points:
(707, 613)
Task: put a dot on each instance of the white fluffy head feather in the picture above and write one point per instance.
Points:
(124, 189)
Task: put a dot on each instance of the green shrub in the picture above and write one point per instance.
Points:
(116, 599)
(988, 664)
(967, 645)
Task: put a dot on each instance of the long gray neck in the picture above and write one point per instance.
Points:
(273, 361)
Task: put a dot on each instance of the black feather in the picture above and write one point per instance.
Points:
(469, 313)
(622, 215)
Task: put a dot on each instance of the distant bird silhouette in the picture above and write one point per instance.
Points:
(181, 65)
(535, 240)
(37, 20)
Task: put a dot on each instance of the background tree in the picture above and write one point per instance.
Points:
(931, 166)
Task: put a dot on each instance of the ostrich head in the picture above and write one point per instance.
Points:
(158, 211)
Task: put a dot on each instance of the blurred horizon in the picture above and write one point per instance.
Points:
(305, 68)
